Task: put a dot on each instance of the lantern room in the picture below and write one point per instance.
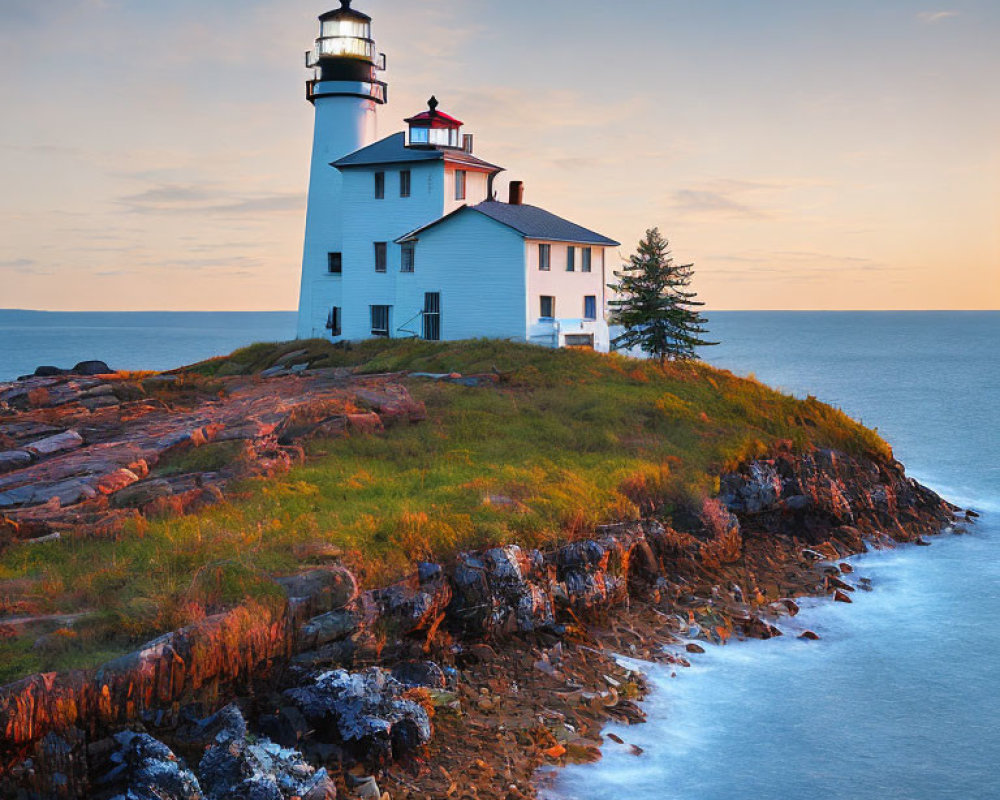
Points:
(345, 50)
(433, 128)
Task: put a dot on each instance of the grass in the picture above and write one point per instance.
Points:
(566, 441)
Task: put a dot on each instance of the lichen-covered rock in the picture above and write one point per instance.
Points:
(414, 604)
(364, 711)
(143, 768)
(502, 590)
(237, 767)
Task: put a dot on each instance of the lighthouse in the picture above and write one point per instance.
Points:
(405, 237)
(346, 93)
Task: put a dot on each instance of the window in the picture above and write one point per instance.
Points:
(380, 320)
(408, 257)
(460, 184)
(571, 259)
(587, 253)
(335, 263)
(333, 321)
(590, 307)
(379, 185)
(419, 136)
(432, 316)
(404, 183)
(544, 257)
(548, 307)
(380, 256)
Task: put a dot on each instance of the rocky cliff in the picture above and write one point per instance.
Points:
(338, 684)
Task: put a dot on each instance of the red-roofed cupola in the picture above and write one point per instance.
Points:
(433, 128)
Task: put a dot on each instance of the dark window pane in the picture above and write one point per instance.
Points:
(460, 184)
(335, 263)
(404, 183)
(333, 321)
(380, 320)
(544, 256)
(408, 257)
(379, 185)
(570, 259)
(590, 307)
(381, 250)
(548, 308)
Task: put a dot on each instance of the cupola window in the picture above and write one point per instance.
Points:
(433, 128)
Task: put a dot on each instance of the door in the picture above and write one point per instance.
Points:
(432, 316)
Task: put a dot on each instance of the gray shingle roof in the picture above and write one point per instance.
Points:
(530, 221)
(537, 223)
(393, 150)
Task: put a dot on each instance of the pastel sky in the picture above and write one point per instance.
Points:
(804, 154)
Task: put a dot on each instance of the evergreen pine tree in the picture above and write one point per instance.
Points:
(654, 307)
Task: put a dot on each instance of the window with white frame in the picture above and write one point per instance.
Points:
(380, 320)
(460, 184)
(545, 257)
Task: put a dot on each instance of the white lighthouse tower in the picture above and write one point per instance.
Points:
(346, 95)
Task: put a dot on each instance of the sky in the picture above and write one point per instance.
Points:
(803, 154)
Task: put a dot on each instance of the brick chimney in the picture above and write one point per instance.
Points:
(516, 193)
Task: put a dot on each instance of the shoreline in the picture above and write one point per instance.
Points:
(467, 675)
(528, 658)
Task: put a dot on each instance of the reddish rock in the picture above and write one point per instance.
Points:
(810, 635)
(116, 481)
(365, 422)
(841, 597)
(694, 648)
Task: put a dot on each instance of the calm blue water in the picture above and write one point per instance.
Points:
(901, 697)
(130, 340)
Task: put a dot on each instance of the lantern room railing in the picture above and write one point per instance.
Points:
(376, 90)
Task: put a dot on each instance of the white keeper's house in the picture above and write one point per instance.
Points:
(405, 237)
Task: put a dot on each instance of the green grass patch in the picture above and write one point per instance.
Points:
(566, 441)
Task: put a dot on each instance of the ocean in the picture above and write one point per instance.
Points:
(900, 698)
(155, 340)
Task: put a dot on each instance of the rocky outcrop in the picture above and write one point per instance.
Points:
(142, 768)
(236, 767)
(86, 455)
(365, 713)
(776, 531)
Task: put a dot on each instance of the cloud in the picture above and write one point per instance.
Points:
(793, 265)
(723, 198)
(202, 200)
(24, 266)
(931, 17)
(713, 202)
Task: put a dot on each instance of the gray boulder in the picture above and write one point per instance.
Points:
(238, 767)
(143, 768)
(365, 712)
